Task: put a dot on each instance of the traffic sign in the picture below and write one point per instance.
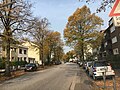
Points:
(116, 9)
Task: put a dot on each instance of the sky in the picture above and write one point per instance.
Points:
(58, 11)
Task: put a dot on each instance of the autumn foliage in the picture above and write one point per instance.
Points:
(82, 29)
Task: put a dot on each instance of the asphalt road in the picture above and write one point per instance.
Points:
(61, 77)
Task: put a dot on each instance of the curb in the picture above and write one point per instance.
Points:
(13, 76)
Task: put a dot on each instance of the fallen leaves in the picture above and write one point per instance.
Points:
(109, 83)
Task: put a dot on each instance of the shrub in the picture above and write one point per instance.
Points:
(2, 63)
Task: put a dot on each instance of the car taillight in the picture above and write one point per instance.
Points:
(94, 69)
(109, 65)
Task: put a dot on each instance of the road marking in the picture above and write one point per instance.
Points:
(72, 86)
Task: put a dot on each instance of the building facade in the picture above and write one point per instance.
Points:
(18, 53)
(111, 41)
(33, 53)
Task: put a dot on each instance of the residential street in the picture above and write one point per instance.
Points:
(62, 77)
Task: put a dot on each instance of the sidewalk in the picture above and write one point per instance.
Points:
(20, 73)
(13, 75)
(82, 81)
(117, 72)
(109, 82)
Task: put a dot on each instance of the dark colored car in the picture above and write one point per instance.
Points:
(31, 67)
(58, 62)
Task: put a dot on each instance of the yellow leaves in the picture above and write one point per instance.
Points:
(82, 26)
(70, 18)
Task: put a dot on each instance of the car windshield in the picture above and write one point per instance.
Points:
(99, 64)
(31, 64)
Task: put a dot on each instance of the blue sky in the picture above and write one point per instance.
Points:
(58, 11)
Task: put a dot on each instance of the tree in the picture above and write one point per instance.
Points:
(14, 19)
(39, 34)
(65, 58)
(58, 52)
(82, 28)
(104, 4)
(55, 45)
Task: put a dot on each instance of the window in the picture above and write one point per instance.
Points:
(20, 51)
(115, 51)
(24, 58)
(15, 49)
(114, 40)
(99, 64)
(12, 58)
(20, 58)
(25, 51)
(111, 22)
(112, 29)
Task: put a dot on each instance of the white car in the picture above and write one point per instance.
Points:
(87, 67)
(99, 68)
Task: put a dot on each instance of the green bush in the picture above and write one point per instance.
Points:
(2, 63)
(16, 63)
(12, 63)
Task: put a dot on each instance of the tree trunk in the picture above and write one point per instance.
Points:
(48, 57)
(42, 57)
(82, 50)
(7, 63)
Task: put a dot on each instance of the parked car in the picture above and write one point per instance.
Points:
(99, 68)
(88, 65)
(31, 67)
(80, 63)
(58, 62)
(2, 70)
(84, 65)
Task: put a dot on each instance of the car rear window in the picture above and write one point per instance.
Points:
(89, 63)
(31, 64)
(99, 64)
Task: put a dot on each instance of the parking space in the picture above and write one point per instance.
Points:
(109, 83)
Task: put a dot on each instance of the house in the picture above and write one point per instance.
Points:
(24, 52)
(33, 53)
(19, 53)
